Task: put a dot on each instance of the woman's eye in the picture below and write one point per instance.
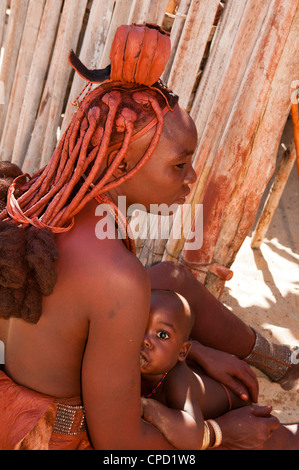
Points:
(163, 335)
(181, 165)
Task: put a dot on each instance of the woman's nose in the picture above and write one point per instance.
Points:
(191, 175)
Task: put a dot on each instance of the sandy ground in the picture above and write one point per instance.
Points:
(264, 290)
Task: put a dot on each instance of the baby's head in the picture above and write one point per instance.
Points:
(167, 337)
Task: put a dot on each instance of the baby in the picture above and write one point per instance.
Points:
(183, 396)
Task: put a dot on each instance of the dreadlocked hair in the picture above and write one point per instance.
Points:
(27, 269)
(106, 119)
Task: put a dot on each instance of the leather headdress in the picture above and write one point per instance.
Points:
(139, 54)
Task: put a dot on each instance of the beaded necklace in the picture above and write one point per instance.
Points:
(154, 390)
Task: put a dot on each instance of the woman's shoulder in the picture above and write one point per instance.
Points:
(99, 264)
(83, 243)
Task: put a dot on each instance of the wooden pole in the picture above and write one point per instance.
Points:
(26, 53)
(92, 48)
(13, 39)
(120, 16)
(44, 135)
(192, 44)
(35, 86)
(283, 172)
(175, 35)
(147, 11)
(243, 114)
(295, 120)
(3, 7)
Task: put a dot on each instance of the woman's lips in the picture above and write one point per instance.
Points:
(185, 193)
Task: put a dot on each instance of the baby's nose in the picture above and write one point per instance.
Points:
(147, 343)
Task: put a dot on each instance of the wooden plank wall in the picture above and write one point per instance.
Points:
(232, 64)
(240, 108)
(250, 103)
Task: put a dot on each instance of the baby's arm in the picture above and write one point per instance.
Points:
(182, 422)
(177, 426)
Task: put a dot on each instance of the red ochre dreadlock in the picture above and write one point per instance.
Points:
(120, 110)
(84, 145)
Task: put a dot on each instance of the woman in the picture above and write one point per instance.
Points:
(75, 331)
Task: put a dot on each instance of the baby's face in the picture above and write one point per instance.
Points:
(162, 342)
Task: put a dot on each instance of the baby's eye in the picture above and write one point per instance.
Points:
(163, 335)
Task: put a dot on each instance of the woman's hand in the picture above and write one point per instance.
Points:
(227, 369)
(247, 428)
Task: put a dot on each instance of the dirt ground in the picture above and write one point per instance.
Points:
(264, 290)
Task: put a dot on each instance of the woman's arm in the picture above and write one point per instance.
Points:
(111, 370)
(226, 368)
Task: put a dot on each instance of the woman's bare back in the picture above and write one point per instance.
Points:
(47, 356)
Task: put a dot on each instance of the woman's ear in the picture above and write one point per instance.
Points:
(184, 350)
(122, 167)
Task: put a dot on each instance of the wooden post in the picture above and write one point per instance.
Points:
(35, 86)
(120, 16)
(92, 48)
(44, 136)
(189, 35)
(147, 11)
(12, 45)
(261, 161)
(102, 23)
(176, 32)
(283, 172)
(295, 120)
(192, 44)
(245, 102)
(246, 156)
(26, 52)
(3, 7)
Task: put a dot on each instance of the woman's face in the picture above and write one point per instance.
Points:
(167, 176)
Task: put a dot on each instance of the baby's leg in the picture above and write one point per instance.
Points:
(215, 398)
